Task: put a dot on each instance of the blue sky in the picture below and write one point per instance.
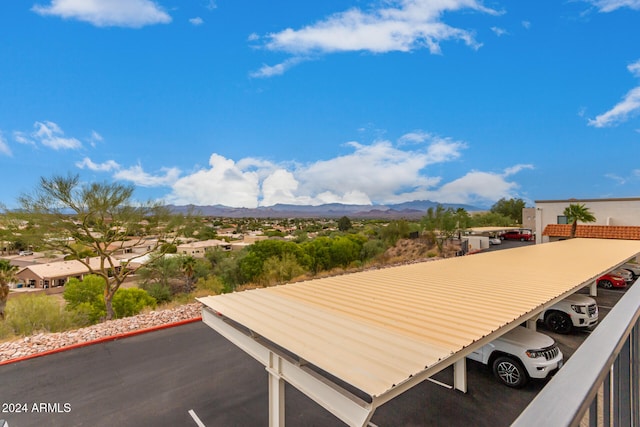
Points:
(253, 103)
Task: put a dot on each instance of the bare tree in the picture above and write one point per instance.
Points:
(98, 218)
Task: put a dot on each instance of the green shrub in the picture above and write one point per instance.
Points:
(160, 292)
(212, 285)
(86, 298)
(6, 331)
(29, 314)
(129, 302)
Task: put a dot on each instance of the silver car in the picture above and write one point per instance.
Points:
(627, 275)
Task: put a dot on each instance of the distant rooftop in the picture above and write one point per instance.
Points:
(594, 231)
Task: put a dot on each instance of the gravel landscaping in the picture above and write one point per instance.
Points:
(44, 342)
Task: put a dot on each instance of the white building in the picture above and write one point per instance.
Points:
(608, 212)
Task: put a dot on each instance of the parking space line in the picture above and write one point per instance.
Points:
(195, 418)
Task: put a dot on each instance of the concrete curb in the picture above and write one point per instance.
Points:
(102, 340)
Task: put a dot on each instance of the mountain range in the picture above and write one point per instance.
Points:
(408, 210)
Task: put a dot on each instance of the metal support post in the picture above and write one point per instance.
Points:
(460, 375)
(276, 391)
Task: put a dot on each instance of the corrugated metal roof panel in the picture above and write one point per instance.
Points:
(376, 329)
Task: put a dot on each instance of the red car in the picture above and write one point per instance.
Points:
(522, 235)
(609, 281)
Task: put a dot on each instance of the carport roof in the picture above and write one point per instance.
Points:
(378, 329)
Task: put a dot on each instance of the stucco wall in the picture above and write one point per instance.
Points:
(606, 211)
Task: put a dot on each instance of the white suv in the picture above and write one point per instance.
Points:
(519, 355)
(575, 311)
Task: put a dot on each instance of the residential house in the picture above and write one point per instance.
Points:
(200, 248)
(55, 274)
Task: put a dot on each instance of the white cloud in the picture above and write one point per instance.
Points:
(475, 187)
(196, 21)
(107, 13)
(526, 24)
(499, 31)
(166, 178)
(23, 138)
(397, 25)
(4, 147)
(611, 5)
(223, 183)
(95, 138)
(138, 176)
(629, 106)
(620, 180)
(634, 68)
(516, 168)
(51, 135)
(278, 69)
(280, 187)
(414, 137)
(107, 166)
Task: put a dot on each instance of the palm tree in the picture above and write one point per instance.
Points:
(188, 268)
(577, 212)
(7, 274)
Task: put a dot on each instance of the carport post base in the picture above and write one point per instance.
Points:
(532, 324)
(276, 391)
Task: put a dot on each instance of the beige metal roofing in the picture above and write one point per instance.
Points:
(376, 329)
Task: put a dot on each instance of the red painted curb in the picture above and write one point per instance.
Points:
(103, 339)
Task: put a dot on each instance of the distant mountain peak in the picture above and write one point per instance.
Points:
(409, 210)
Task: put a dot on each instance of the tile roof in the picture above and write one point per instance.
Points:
(625, 232)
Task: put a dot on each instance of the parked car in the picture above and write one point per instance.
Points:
(495, 240)
(520, 355)
(575, 311)
(25, 253)
(522, 235)
(633, 268)
(627, 275)
(609, 281)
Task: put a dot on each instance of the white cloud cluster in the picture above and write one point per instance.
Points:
(4, 147)
(611, 5)
(381, 172)
(107, 13)
(135, 174)
(378, 173)
(629, 106)
(396, 25)
(48, 134)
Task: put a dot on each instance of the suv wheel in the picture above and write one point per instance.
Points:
(558, 322)
(509, 371)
